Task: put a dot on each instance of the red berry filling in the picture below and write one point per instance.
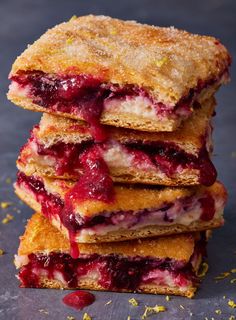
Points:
(85, 94)
(115, 272)
(165, 156)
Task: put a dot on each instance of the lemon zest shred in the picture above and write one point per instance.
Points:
(134, 302)
(203, 270)
(7, 219)
(74, 17)
(222, 275)
(232, 304)
(151, 310)
(86, 316)
(159, 63)
(5, 204)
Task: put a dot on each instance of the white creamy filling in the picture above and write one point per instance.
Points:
(18, 90)
(139, 106)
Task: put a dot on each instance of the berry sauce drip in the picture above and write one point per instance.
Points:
(94, 184)
(79, 299)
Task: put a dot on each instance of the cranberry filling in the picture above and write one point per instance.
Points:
(116, 272)
(85, 95)
(79, 299)
(74, 223)
(166, 156)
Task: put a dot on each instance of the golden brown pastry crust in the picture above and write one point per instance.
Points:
(167, 61)
(188, 177)
(189, 136)
(92, 285)
(130, 198)
(178, 247)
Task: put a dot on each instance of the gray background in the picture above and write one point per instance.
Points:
(23, 21)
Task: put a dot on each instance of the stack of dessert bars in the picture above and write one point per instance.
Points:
(119, 168)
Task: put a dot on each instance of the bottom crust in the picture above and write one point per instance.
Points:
(126, 234)
(92, 285)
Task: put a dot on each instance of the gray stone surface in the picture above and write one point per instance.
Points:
(23, 21)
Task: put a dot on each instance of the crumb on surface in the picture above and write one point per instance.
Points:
(70, 318)
(7, 219)
(1, 252)
(182, 307)
(218, 311)
(233, 270)
(43, 311)
(167, 298)
(232, 318)
(108, 302)
(233, 280)
(134, 302)
(128, 318)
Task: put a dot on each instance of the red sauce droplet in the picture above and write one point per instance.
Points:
(79, 299)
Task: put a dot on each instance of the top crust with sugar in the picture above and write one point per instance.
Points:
(166, 61)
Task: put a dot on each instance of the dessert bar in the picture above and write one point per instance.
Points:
(124, 213)
(59, 147)
(119, 73)
(164, 265)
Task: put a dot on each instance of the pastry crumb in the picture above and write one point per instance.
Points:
(151, 310)
(1, 252)
(108, 302)
(7, 219)
(70, 318)
(182, 307)
(134, 302)
(167, 298)
(218, 311)
(128, 318)
(233, 270)
(233, 280)
(43, 311)
(232, 318)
